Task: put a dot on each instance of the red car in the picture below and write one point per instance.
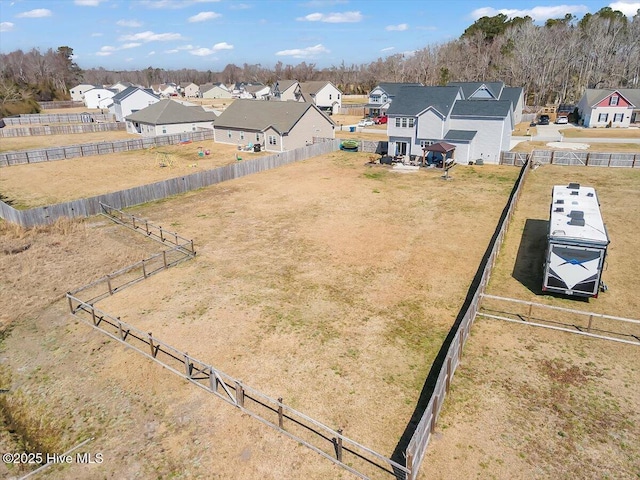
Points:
(381, 120)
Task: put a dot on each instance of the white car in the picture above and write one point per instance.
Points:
(366, 122)
(562, 120)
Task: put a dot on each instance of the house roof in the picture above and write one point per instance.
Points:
(411, 100)
(469, 88)
(441, 147)
(258, 115)
(129, 90)
(167, 112)
(476, 108)
(309, 89)
(285, 84)
(512, 94)
(594, 96)
(391, 89)
(460, 135)
(255, 88)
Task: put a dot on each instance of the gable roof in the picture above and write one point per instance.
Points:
(130, 90)
(475, 108)
(167, 112)
(513, 94)
(595, 96)
(258, 115)
(391, 88)
(285, 84)
(412, 100)
(310, 89)
(469, 88)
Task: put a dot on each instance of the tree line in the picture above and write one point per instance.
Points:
(554, 62)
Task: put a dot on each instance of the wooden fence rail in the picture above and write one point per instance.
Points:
(8, 159)
(591, 324)
(46, 118)
(417, 446)
(60, 104)
(62, 129)
(571, 158)
(87, 207)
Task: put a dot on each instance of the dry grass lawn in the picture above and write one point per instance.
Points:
(530, 146)
(43, 141)
(327, 282)
(530, 403)
(601, 132)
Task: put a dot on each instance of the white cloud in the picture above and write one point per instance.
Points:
(149, 36)
(239, 6)
(344, 17)
(222, 46)
(130, 59)
(88, 3)
(303, 52)
(174, 4)
(106, 51)
(388, 49)
(628, 8)
(202, 52)
(537, 13)
(322, 3)
(37, 13)
(129, 23)
(204, 16)
(397, 28)
(96, 34)
(151, 53)
(6, 26)
(175, 50)
(130, 45)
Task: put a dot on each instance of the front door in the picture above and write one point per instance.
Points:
(401, 149)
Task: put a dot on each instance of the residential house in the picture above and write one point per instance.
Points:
(381, 96)
(259, 92)
(617, 108)
(98, 97)
(210, 90)
(189, 89)
(121, 86)
(131, 100)
(77, 92)
(421, 116)
(323, 94)
(494, 91)
(277, 126)
(166, 117)
(286, 90)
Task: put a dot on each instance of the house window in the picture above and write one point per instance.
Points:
(618, 117)
(425, 143)
(375, 98)
(613, 100)
(272, 140)
(404, 122)
(257, 137)
(603, 117)
(229, 133)
(411, 122)
(241, 135)
(338, 96)
(164, 129)
(329, 96)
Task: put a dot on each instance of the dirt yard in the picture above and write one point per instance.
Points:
(43, 141)
(530, 403)
(327, 282)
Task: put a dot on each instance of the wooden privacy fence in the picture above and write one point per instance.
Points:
(417, 446)
(46, 118)
(61, 129)
(87, 207)
(60, 104)
(103, 148)
(560, 157)
(328, 442)
(591, 324)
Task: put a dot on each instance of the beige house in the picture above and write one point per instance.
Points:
(189, 89)
(276, 126)
(168, 116)
(325, 95)
(210, 90)
(286, 90)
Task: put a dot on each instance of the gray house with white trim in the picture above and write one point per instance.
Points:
(168, 116)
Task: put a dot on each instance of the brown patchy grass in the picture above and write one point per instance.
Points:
(601, 132)
(326, 282)
(354, 99)
(534, 403)
(33, 185)
(522, 129)
(43, 141)
(530, 146)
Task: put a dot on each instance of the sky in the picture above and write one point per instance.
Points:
(209, 34)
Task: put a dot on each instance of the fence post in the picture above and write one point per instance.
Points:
(213, 381)
(146, 226)
(93, 315)
(339, 446)
(164, 258)
(176, 235)
(530, 310)
(133, 220)
(161, 234)
(70, 304)
(192, 250)
(409, 465)
(434, 413)
(589, 326)
(280, 417)
(153, 350)
(239, 394)
(144, 270)
(448, 383)
(187, 365)
(109, 285)
(120, 329)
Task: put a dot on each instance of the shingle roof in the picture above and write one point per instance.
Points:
(309, 89)
(285, 84)
(128, 91)
(512, 94)
(414, 99)
(469, 88)
(594, 96)
(477, 108)
(392, 88)
(167, 112)
(464, 135)
(259, 115)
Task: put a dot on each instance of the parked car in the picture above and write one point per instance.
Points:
(543, 120)
(381, 120)
(562, 120)
(366, 122)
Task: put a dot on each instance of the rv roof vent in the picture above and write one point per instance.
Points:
(575, 193)
(558, 233)
(574, 186)
(590, 194)
(559, 202)
(577, 218)
(559, 209)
